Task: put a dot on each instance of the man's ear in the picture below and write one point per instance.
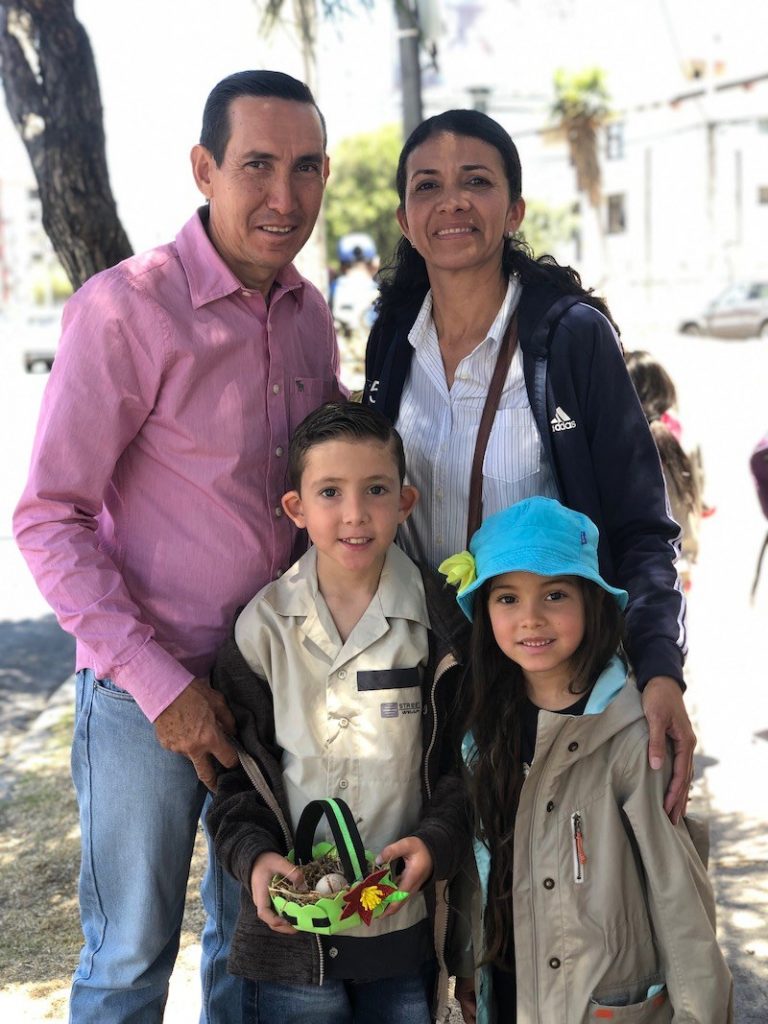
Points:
(202, 165)
(293, 508)
(408, 498)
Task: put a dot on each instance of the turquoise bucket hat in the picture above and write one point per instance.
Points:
(536, 535)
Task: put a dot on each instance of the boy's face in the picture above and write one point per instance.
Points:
(351, 502)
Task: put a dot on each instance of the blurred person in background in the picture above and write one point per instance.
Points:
(682, 472)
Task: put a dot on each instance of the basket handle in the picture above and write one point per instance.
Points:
(344, 832)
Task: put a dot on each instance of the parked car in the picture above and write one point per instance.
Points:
(741, 311)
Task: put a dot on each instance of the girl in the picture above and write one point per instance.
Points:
(682, 472)
(594, 905)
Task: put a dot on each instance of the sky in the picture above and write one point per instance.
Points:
(158, 59)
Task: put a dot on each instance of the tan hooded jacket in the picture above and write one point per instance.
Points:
(625, 915)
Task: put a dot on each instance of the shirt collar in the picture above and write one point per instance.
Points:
(400, 593)
(210, 278)
(424, 331)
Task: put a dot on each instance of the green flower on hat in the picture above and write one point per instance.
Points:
(459, 570)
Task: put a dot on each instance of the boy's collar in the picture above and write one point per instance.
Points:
(400, 592)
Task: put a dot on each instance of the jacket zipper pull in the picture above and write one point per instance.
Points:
(579, 856)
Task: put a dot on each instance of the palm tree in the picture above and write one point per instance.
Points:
(581, 108)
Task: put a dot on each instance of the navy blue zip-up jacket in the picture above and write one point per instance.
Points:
(597, 441)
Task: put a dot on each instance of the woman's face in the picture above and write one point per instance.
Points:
(457, 203)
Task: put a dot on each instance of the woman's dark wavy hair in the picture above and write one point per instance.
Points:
(657, 393)
(491, 708)
(404, 281)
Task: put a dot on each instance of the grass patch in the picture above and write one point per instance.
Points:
(39, 864)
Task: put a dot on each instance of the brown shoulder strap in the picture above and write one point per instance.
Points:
(503, 360)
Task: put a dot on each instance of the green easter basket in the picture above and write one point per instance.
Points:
(369, 892)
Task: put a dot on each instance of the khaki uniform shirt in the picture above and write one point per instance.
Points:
(347, 715)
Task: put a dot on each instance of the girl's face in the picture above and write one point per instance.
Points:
(538, 622)
(457, 205)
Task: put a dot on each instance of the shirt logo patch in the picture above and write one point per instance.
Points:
(561, 421)
(393, 709)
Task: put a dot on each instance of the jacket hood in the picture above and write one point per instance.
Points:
(613, 705)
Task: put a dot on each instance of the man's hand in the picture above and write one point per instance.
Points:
(417, 871)
(195, 724)
(465, 994)
(264, 869)
(663, 707)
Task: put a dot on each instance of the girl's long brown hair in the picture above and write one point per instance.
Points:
(492, 710)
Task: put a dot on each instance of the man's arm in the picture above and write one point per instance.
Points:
(102, 388)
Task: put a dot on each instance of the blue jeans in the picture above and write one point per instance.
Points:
(139, 809)
(403, 1000)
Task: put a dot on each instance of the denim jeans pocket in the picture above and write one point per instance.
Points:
(110, 689)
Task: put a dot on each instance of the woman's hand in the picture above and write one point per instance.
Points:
(264, 869)
(663, 707)
(417, 871)
(465, 996)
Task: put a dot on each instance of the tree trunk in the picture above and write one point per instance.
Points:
(52, 94)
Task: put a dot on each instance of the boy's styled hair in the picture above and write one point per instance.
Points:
(341, 421)
(492, 711)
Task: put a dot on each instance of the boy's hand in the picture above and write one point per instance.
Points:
(418, 867)
(465, 995)
(264, 869)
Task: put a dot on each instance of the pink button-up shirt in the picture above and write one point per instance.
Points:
(152, 509)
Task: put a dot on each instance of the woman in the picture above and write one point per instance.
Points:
(568, 423)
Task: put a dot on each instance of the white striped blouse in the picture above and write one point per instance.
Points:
(439, 430)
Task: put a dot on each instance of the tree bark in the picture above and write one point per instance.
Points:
(52, 94)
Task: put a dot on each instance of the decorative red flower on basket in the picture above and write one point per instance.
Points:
(366, 896)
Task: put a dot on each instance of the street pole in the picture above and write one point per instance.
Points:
(409, 38)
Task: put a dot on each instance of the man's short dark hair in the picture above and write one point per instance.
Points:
(342, 421)
(216, 129)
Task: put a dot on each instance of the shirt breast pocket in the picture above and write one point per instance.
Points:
(514, 446)
(306, 394)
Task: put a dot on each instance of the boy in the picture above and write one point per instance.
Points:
(339, 677)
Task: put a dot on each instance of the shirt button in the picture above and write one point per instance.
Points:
(278, 511)
(343, 783)
(573, 746)
(550, 806)
(342, 673)
(279, 450)
(549, 883)
(278, 574)
(554, 963)
(333, 952)
(275, 389)
(343, 722)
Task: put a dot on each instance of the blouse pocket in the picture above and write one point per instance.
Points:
(655, 1009)
(514, 446)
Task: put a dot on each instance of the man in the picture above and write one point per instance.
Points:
(153, 511)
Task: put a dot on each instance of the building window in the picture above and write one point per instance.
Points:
(762, 195)
(614, 140)
(617, 215)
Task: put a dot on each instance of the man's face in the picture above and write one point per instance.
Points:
(266, 195)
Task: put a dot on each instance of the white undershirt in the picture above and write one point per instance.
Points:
(439, 430)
